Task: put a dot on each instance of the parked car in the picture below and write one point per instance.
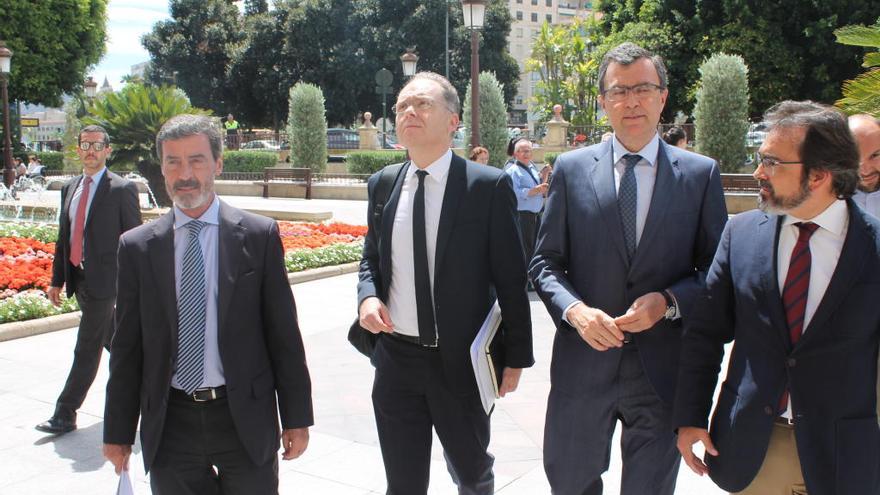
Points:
(347, 139)
(756, 135)
(260, 145)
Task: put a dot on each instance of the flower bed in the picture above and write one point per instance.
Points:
(27, 251)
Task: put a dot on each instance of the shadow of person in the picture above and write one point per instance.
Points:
(82, 446)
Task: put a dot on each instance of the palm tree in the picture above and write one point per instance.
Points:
(862, 94)
(133, 116)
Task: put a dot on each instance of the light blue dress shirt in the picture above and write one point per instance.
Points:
(74, 203)
(209, 240)
(523, 180)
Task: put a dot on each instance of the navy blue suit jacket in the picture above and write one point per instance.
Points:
(581, 255)
(479, 255)
(832, 371)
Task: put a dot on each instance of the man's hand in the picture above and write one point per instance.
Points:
(643, 314)
(294, 442)
(595, 327)
(118, 455)
(54, 295)
(687, 437)
(539, 189)
(509, 380)
(374, 316)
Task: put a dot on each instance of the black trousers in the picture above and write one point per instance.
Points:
(410, 396)
(95, 332)
(578, 431)
(201, 454)
(528, 225)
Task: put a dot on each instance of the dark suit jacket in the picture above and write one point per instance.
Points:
(581, 255)
(260, 344)
(832, 371)
(479, 255)
(114, 210)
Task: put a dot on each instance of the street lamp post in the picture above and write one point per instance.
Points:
(409, 60)
(474, 14)
(5, 61)
(91, 88)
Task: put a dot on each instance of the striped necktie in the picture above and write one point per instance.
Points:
(191, 313)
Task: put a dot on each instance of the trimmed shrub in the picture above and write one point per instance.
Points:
(52, 160)
(493, 119)
(368, 162)
(721, 115)
(307, 127)
(551, 156)
(248, 161)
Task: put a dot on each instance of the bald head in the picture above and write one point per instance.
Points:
(866, 131)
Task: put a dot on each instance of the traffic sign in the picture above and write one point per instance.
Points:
(28, 122)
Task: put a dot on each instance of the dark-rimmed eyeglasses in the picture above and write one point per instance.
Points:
(770, 164)
(640, 91)
(86, 146)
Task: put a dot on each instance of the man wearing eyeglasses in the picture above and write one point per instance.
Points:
(629, 229)
(96, 208)
(794, 286)
(866, 130)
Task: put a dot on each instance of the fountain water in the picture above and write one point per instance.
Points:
(151, 198)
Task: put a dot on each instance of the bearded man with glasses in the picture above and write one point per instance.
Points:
(96, 208)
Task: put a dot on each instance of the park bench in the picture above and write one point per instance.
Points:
(280, 174)
(739, 183)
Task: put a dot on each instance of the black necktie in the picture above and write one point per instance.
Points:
(424, 306)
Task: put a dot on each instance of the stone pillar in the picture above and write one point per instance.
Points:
(368, 133)
(557, 129)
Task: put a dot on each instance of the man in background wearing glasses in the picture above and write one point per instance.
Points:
(629, 229)
(794, 285)
(96, 208)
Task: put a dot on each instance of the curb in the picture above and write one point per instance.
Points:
(20, 329)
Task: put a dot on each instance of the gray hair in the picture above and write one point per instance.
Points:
(627, 53)
(184, 125)
(450, 95)
(828, 143)
(93, 128)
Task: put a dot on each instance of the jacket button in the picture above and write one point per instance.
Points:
(791, 362)
(768, 410)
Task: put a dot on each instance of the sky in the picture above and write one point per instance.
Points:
(127, 21)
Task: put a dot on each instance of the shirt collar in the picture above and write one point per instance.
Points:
(211, 215)
(97, 177)
(648, 153)
(833, 219)
(438, 169)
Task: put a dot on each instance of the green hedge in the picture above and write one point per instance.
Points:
(52, 160)
(368, 162)
(550, 157)
(248, 161)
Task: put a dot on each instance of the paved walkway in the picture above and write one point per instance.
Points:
(343, 456)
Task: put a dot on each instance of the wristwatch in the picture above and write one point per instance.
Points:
(670, 305)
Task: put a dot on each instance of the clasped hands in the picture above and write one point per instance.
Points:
(373, 316)
(602, 332)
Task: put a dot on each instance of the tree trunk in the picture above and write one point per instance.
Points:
(152, 171)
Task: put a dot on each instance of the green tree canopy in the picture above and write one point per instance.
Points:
(54, 42)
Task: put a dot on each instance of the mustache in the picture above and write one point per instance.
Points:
(765, 184)
(191, 183)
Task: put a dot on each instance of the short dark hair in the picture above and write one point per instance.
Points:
(828, 143)
(511, 145)
(184, 125)
(674, 135)
(93, 128)
(627, 53)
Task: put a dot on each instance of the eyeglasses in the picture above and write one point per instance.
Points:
(769, 164)
(640, 91)
(418, 104)
(85, 146)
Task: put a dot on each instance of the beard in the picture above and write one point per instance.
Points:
(190, 200)
(869, 183)
(779, 205)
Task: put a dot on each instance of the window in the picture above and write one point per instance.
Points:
(519, 15)
(534, 17)
(534, 2)
(535, 76)
(549, 18)
(549, 3)
(519, 100)
(518, 1)
(519, 32)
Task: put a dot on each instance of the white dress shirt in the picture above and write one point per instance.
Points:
(826, 244)
(869, 202)
(74, 203)
(646, 175)
(402, 293)
(209, 241)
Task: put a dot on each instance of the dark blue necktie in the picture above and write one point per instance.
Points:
(627, 196)
(424, 305)
(191, 313)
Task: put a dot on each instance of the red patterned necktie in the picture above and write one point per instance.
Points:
(76, 243)
(796, 288)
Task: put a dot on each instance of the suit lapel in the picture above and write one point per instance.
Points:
(456, 185)
(231, 250)
(667, 176)
(161, 249)
(103, 188)
(767, 240)
(602, 176)
(68, 199)
(388, 213)
(856, 249)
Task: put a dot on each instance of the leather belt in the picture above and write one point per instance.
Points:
(200, 395)
(410, 339)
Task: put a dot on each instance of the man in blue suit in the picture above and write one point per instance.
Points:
(629, 228)
(795, 286)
